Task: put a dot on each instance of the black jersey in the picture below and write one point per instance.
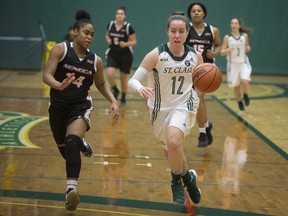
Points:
(201, 42)
(119, 35)
(84, 70)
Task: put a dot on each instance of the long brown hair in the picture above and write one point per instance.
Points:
(243, 28)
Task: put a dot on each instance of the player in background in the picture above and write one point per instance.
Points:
(172, 102)
(70, 34)
(70, 71)
(120, 37)
(205, 39)
(235, 46)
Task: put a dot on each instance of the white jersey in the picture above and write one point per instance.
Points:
(172, 80)
(238, 54)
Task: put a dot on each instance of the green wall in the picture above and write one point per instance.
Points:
(267, 18)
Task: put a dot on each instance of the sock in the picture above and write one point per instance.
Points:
(202, 130)
(114, 88)
(123, 95)
(207, 124)
(187, 178)
(72, 184)
(176, 177)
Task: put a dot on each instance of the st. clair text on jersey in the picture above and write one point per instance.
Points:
(178, 70)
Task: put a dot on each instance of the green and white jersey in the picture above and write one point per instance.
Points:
(238, 54)
(172, 80)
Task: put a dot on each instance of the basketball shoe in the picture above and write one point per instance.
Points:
(178, 192)
(246, 99)
(241, 106)
(191, 187)
(72, 200)
(208, 132)
(86, 149)
(203, 140)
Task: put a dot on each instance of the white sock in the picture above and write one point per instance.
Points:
(72, 184)
(207, 124)
(202, 130)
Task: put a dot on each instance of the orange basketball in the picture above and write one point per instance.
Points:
(207, 77)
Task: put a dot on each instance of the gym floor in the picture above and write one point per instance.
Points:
(244, 171)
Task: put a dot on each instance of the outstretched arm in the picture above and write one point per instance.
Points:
(103, 88)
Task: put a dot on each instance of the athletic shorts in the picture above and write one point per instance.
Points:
(179, 117)
(61, 117)
(123, 61)
(237, 72)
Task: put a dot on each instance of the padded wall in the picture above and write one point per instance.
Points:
(21, 42)
(268, 18)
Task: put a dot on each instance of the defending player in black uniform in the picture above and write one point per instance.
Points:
(70, 71)
(120, 36)
(205, 39)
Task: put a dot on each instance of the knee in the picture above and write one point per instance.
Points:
(72, 149)
(173, 143)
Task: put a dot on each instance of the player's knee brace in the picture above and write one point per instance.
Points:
(73, 158)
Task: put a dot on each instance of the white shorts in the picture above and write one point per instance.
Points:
(237, 72)
(179, 117)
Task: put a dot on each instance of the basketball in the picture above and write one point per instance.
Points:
(207, 77)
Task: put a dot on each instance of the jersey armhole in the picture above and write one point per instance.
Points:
(110, 25)
(95, 62)
(65, 52)
(127, 29)
(212, 31)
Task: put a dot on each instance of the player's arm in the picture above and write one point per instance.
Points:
(225, 49)
(211, 54)
(50, 67)
(247, 45)
(107, 38)
(147, 64)
(131, 42)
(103, 88)
(217, 41)
(100, 81)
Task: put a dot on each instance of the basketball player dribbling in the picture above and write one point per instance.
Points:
(172, 101)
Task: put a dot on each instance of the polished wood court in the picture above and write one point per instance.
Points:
(244, 171)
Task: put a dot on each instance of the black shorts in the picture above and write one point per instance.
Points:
(123, 61)
(61, 117)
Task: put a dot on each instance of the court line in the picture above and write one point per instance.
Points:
(145, 182)
(121, 202)
(81, 209)
(253, 129)
(132, 157)
(6, 76)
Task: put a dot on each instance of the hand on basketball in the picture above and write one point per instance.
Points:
(66, 82)
(146, 92)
